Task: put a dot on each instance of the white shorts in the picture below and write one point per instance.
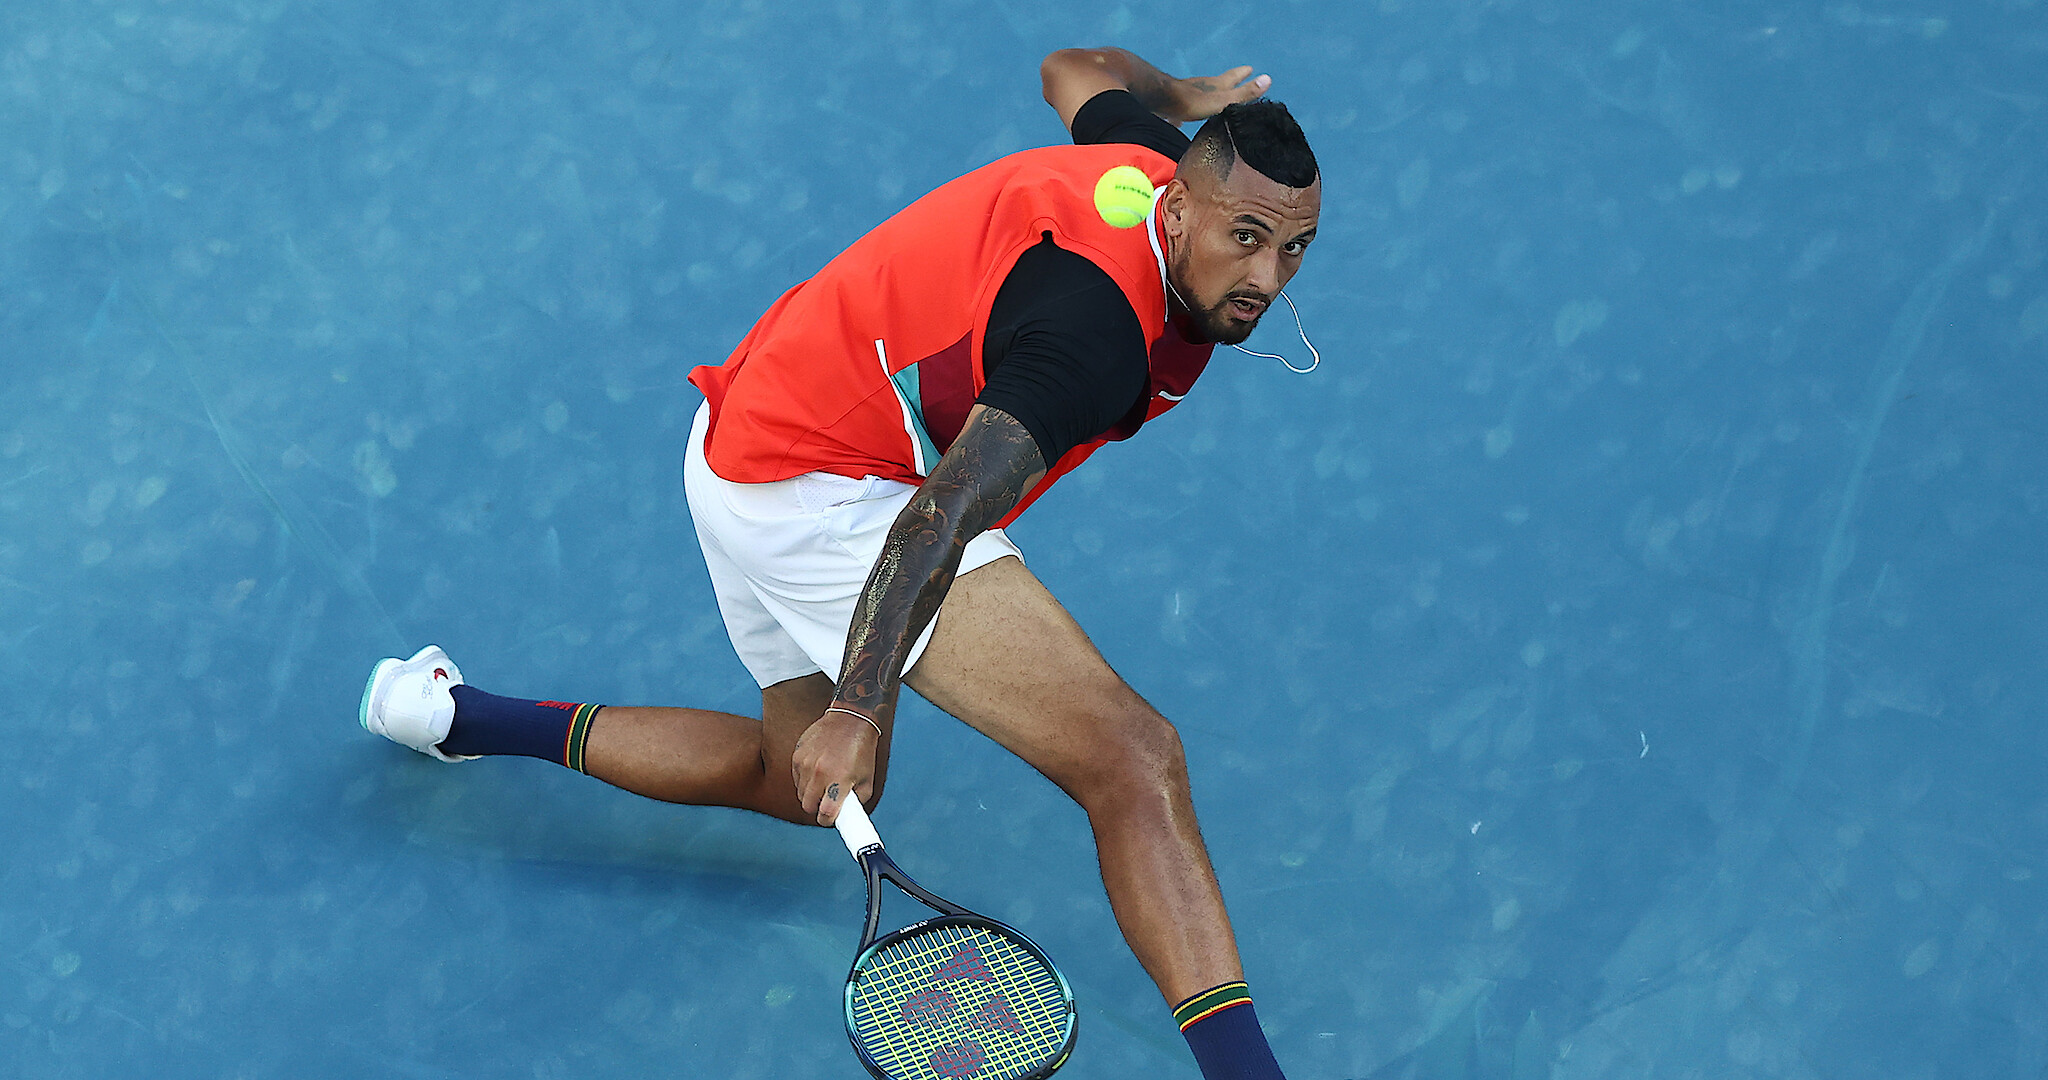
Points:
(788, 560)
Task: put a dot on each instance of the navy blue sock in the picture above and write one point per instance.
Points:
(488, 724)
(1223, 1031)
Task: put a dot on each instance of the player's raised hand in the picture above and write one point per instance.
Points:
(1201, 97)
(1072, 77)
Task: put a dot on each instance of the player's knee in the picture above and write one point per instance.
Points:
(1139, 757)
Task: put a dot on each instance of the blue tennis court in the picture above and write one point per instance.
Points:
(1624, 656)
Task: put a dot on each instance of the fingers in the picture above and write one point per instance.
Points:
(816, 788)
(1238, 80)
(834, 800)
(1204, 98)
(822, 797)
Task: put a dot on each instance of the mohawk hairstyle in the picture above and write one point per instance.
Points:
(1263, 133)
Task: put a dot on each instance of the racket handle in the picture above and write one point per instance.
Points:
(855, 828)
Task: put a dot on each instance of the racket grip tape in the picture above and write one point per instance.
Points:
(855, 828)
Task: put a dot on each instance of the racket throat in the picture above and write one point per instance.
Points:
(879, 867)
(874, 920)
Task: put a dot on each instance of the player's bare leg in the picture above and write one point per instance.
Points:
(708, 758)
(1007, 659)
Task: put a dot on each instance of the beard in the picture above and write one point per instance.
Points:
(1219, 322)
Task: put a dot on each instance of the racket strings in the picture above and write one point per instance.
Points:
(959, 1002)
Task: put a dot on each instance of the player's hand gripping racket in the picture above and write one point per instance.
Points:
(956, 996)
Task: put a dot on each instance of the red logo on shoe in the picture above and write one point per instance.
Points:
(440, 673)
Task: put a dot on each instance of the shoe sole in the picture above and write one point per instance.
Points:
(370, 688)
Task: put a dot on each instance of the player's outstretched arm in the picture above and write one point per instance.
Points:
(1072, 76)
(978, 480)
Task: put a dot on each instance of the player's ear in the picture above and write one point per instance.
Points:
(1173, 207)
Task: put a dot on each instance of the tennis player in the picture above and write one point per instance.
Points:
(856, 457)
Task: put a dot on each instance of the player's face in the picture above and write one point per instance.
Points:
(1236, 243)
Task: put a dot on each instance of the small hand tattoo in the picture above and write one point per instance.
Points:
(832, 792)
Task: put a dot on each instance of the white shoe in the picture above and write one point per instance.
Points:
(407, 701)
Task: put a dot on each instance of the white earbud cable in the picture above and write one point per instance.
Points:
(1304, 340)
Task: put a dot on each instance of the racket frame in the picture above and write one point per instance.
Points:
(866, 847)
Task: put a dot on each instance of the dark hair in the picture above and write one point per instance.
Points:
(1265, 135)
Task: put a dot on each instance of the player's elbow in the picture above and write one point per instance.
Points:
(1059, 69)
(1049, 73)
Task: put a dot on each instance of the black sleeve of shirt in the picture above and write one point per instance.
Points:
(1114, 116)
(1063, 350)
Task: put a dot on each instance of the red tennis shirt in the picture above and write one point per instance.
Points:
(870, 367)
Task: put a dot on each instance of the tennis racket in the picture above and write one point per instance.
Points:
(955, 997)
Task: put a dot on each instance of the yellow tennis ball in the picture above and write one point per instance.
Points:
(1123, 196)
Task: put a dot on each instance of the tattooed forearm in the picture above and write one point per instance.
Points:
(987, 470)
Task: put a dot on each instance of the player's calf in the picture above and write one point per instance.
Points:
(1133, 781)
(692, 756)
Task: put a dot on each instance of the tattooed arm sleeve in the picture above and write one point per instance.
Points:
(985, 472)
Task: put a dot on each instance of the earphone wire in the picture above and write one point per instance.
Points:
(1299, 329)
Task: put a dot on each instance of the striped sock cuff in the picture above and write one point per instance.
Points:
(1210, 1002)
(579, 733)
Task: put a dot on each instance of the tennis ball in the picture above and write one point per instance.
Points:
(1123, 196)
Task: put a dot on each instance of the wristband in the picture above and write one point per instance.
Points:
(864, 716)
